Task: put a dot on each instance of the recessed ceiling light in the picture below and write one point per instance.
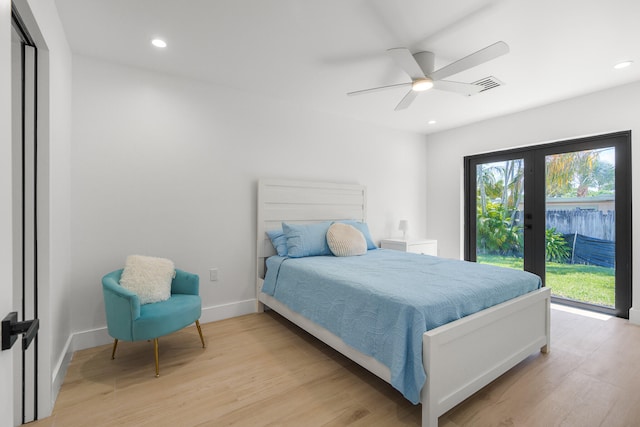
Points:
(159, 43)
(431, 122)
(623, 64)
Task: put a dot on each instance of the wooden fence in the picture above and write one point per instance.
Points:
(591, 223)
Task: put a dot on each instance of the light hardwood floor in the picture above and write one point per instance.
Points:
(259, 370)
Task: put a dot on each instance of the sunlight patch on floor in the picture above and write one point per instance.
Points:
(580, 312)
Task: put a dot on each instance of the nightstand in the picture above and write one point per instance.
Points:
(418, 246)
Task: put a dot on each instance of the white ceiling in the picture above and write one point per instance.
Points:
(312, 52)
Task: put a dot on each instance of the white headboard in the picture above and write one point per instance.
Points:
(303, 202)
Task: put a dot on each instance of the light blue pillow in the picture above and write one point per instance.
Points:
(279, 241)
(364, 229)
(307, 240)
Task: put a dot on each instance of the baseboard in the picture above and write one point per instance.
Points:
(634, 316)
(227, 311)
(99, 336)
(60, 370)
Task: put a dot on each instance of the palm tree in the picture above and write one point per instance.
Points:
(499, 194)
(486, 182)
(502, 180)
(571, 173)
(513, 191)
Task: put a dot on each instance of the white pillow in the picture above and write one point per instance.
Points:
(346, 240)
(148, 277)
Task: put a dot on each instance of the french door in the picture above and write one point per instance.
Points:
(561, 211)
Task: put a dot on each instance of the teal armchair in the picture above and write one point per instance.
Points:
(128, 320)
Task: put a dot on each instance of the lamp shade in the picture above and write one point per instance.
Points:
(404, 227)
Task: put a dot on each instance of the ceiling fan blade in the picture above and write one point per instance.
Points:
(462, 88)
(483, 55)
(407, 100)
(377, 89)
(405, 60)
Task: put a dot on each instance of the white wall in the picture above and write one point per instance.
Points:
(168, 167)
(598, 113)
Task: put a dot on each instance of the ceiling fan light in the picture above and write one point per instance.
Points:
(420, 85)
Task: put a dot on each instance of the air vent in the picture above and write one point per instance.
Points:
(488, 83)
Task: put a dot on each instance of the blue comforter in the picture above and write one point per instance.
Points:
(382, 302)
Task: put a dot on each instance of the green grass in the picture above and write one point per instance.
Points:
(588, 283)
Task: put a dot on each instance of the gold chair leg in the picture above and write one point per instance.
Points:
(200, 332)
(113, 353)
(155, 348)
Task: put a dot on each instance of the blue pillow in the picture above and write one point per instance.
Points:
(307, 240)
(364, 229)
(279, 241)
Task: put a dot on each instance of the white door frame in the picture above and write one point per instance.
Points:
(6, 208)
(11, 412)
(25, 273)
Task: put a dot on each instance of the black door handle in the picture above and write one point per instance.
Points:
(11, 328)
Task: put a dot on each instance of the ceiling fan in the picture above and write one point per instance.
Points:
(420, 67)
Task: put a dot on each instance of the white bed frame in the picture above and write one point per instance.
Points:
(460, 357)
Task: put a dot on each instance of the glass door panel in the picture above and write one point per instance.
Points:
(499, 213)
(574, 230)
(580, 245)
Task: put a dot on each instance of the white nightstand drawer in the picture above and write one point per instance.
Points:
(418, 246)
(430, 248)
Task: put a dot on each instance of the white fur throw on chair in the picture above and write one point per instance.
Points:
(148, 277)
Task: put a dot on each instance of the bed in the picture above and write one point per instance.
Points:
(458, 358)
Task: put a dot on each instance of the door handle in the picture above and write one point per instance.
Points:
(527, 222)
(11, 328)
